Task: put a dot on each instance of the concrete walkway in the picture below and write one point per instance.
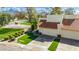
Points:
(17, 26)
(11, 46)
(41, 43)
(68, 45)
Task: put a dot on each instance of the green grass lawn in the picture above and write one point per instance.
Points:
(27, 38)
(54, 45)
(4, 32)
(25, 23)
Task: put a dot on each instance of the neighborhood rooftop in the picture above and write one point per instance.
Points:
(51, 25)
(67, 24)
(73, 26)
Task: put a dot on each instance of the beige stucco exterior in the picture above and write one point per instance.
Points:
(64, 33)
(54, 18)
(69, 16)
(47, 31)
(70, 34)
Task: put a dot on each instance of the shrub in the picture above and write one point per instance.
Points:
(59, 35)
(32, 27)
(9, 36)
(19, 33)
(5, 39)
(14, 35)
(11, 40)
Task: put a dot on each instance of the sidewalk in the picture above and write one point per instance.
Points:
(68, 45)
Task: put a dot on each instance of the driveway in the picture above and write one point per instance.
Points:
(68, 45)
(41, 43)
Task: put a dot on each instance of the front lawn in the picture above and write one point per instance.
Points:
(27, 38)
(25, 23)
(4, 32)
(54, 45)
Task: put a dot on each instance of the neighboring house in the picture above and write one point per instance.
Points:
(67, 26)
(70, 27)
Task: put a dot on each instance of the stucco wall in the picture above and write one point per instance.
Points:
(69, 16)
(70, 34)
(52, 32)
(54, 18)
(42, 19)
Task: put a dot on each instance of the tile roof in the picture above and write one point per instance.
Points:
(67, 21)
(42, 20)
(51, 25)
(73, 27)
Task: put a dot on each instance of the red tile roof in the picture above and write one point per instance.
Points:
(73, 27)
(51, 25)
(42, 20)
(67, 21)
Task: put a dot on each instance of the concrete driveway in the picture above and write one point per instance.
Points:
(41, 43)
(68, 45)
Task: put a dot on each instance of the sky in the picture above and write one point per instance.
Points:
(38, 9)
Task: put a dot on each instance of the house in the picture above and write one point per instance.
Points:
(65, 25)
(49, 26)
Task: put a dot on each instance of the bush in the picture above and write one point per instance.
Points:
(11, 40)
(14, 35)
(32, 27)
(16, 23)
(10, 36)
(5, 39)
(59, 36)
(22, 32)
(19, 34)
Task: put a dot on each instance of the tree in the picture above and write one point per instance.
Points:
(69, 11)
(4, 18)
(32, 17)
(20, 15)
(56, 11)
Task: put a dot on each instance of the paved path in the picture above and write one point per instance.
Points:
(16, 26)
(11, 46)
(68, 45)
(41, 43)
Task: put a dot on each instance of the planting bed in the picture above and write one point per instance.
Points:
(9, 33)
